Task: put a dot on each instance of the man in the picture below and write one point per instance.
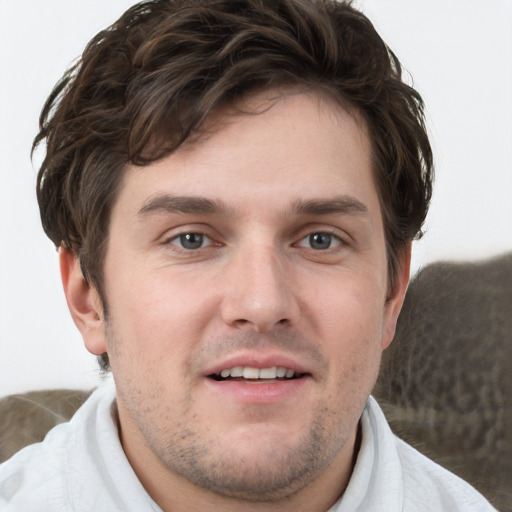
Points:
(233, 187)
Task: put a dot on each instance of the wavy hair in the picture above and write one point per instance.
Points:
(147, 83)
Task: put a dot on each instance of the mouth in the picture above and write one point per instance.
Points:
(257, 382)
(256, 375)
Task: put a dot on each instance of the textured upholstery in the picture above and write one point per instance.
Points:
(26, 418)
(446, 380)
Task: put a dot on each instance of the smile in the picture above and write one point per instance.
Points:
(258, 382)
(251, 373)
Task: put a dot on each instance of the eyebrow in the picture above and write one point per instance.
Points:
(347, 205)
(182, 204)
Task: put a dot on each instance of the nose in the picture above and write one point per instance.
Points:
(259, 291)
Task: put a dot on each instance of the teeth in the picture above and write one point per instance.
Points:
(268, 373)
(247, 372)
(237, 371)
(281, 372)
(251, 373)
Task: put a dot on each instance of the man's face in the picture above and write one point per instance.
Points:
(255, 251)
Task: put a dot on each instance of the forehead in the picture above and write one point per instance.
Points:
(277, 147)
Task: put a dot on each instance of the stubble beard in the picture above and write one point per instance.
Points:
(277, 474)
(216, 465)
(268, 477)
(187, 450)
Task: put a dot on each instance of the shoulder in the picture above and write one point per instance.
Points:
(39, 476)
(37, 473)
(424, 484)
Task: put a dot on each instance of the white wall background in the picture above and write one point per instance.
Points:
(458, 51)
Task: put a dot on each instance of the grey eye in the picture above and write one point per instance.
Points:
(320, 241)
(191, 241)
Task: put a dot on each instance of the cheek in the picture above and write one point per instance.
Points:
(350, 306)
(350, 320)
(155, 314)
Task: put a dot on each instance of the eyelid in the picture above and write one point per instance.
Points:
(312, 229)
(205, 237)
(335, 237)
(170, 236)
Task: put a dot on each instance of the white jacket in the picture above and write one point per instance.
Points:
(81, 467)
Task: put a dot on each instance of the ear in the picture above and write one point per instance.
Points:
(83, 302)
(396, 296)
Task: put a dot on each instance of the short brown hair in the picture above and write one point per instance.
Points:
(147, 83)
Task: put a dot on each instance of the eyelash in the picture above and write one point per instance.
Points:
(181, 236)
(332, 238)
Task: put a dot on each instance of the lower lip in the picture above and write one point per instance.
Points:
(258, 392)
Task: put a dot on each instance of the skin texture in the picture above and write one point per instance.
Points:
(257, 290)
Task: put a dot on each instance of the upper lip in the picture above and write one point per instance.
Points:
(256, 360)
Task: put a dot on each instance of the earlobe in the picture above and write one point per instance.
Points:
(83, 302)
(396, 297)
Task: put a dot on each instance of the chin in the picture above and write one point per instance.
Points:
(257, 478)
(259, 463)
